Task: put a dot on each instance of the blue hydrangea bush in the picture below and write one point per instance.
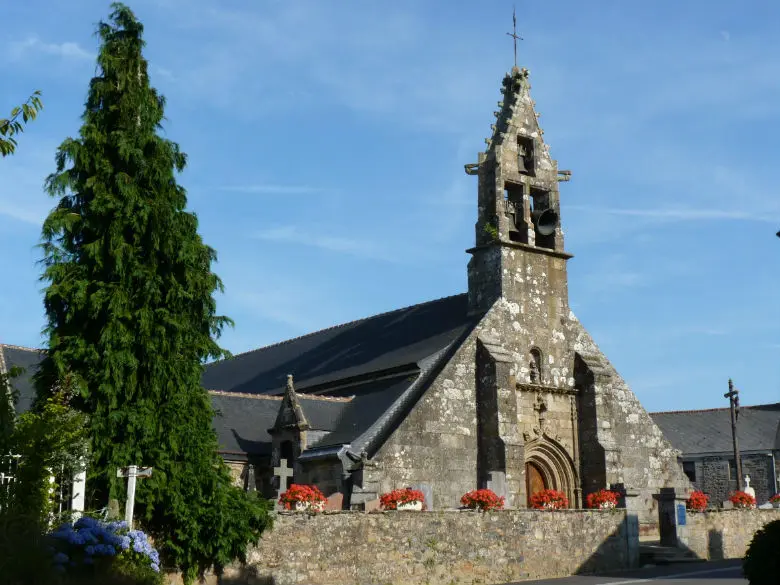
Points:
(90, 547)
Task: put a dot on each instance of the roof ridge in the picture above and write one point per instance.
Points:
(714, 409)
(279, 397)
(332, 327)
(324, 398)
(244, 395)
(22, 347)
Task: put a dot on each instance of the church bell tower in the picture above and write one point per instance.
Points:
(518, 230)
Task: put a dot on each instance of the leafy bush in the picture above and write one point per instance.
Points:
(549, 500)
(24, 559)
(697, 502)
(761, 564)
(602, 500)
(391, 500)
(483, 499)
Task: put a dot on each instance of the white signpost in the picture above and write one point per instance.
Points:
(131, 473)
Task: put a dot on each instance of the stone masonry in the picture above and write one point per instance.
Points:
(438, 548)
(724, 534)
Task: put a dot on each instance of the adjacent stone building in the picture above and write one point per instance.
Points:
(704, 438)
(498, 387)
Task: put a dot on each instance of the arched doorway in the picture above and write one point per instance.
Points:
(549, 466)
(534, 480)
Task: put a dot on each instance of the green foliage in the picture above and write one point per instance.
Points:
(47, 440)
(132, 318)
(761, 564)
(8, 398)
(24, 559)
(491, 231)
(13, 125)
(50, 438)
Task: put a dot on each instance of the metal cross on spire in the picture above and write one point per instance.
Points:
(513, 34)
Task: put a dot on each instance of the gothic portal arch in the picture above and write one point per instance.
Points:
(549, 466)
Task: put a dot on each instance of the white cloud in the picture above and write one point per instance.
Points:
(33, 44)
(353, 247)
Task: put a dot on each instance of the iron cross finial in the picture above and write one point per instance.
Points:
(513, 34)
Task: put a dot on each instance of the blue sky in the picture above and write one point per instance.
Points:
(326, 145)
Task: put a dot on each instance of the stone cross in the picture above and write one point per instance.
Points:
(282, 472)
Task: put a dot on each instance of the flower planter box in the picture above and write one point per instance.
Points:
(309, 506)
(414, 506)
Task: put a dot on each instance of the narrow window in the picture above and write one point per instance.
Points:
(535, 366)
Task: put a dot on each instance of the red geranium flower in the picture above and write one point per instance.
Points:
(302, 493)
(549, 500)
(742, 500)
(391, 500)
(602, 499)
(483, 499)
(698, 501)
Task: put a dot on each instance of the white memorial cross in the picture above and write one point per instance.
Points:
(748, 489)
(131, 473)
(282, 472)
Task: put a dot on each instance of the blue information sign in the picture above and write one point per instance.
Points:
(680, 514)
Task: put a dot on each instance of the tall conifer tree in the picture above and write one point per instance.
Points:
(131, 313)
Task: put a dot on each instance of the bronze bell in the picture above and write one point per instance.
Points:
(545, 221)
(521, 163)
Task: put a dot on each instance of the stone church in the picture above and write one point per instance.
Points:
(499, 387)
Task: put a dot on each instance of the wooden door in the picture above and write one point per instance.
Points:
(534, 481)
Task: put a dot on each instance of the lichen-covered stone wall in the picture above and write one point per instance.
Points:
(436, 443)
(620, 433)
(724, 534)
(438, 548)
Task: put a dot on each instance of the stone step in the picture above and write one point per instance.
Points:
(655, 554)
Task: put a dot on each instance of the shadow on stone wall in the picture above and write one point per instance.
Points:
(715, 549)
(625, 537)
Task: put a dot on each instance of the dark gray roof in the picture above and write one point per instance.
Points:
(244, 419)
(383, 363)
(384, 342)
(372, 400)
(697, 432)
(242, 424)
(27, 359)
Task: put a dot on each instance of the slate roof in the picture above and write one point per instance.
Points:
(384, 362)
(27, 359)
(697, 432)
(384, 342)
(243, 420)
(378, 366)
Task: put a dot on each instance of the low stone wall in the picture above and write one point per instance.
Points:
(723, 534)
(438, 547)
